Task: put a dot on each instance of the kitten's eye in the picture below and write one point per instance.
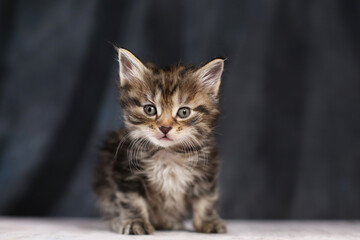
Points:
(150, 110)
(183, 112)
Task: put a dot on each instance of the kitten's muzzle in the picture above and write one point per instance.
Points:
(165, 129)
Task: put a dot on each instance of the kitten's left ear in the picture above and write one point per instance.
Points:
(210, 75)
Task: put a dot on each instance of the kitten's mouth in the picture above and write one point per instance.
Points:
(165, 138)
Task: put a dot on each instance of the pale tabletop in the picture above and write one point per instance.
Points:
(87, 229)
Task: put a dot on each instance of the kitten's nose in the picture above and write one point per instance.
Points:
(165, 129)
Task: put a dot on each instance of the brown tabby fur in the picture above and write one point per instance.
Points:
(144, 183)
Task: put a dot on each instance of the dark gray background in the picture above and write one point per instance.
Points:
(289, 134)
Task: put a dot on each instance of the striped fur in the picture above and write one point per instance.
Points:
(146, 181)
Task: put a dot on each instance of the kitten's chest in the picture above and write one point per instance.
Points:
(167, 173)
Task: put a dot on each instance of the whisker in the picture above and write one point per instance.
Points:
(187, 154)
(139, 150)
(202, 151)
(120, 145)
(193, 149)
(130, 152)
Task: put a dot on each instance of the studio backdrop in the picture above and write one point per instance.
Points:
(289, 133)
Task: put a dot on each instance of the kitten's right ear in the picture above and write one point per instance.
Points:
(130, 68)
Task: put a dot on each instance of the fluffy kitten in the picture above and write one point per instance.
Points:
(164, 162)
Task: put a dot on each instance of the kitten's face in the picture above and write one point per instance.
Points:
(172, 106)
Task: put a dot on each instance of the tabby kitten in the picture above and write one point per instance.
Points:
(164, 162)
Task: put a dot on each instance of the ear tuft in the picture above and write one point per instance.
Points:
(210, 75)
(130, 68)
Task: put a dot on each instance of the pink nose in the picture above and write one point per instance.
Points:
(165, 129)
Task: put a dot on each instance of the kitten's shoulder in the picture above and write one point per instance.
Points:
(110, 151)
(113, 139)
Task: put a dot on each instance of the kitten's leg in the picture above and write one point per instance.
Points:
(205, 216)
(119, 190)
(133, 218)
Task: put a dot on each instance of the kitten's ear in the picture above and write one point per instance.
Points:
(130, 68)
(210, 75)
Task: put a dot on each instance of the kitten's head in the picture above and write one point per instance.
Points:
(174, 106)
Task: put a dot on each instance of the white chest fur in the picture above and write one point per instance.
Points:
(168, 173)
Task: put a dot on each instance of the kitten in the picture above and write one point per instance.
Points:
(164, 162)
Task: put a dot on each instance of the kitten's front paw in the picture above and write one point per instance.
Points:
(131, 227)
(213, 226)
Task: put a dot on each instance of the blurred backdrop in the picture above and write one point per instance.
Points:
(289, 135)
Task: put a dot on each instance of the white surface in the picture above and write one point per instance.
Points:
(41, 229)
